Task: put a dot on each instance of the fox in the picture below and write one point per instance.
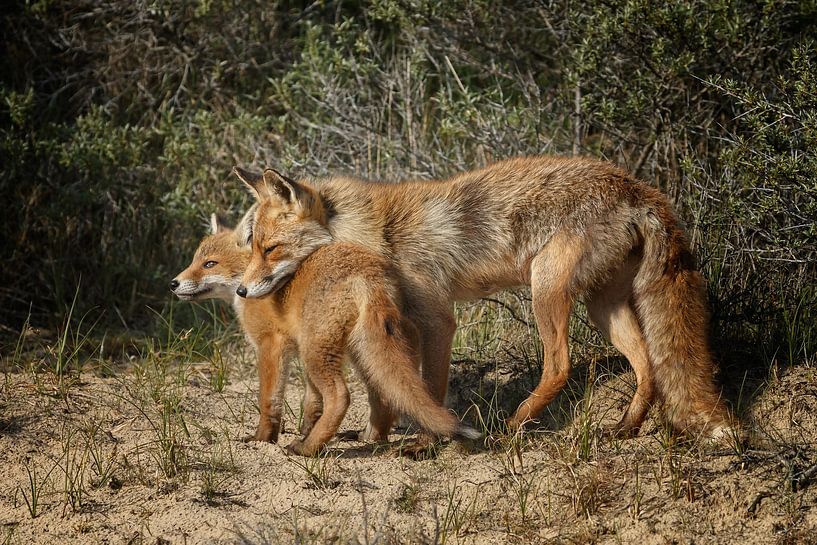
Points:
(570, 228)
(214, 273)
(364, 327)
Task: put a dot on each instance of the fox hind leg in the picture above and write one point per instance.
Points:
(326, 374)
(434, 333)
(381, 415)
(313, 406)
(552, 272)
(381, 419)
(435, 325)
(611, 310)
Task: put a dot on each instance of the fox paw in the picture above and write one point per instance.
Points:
(300, 448)
(620, 431)
(296, 447)
(374, 435)
(350, 435)
(423, 448)
(267, 434)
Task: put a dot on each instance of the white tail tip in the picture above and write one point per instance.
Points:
(467, 432)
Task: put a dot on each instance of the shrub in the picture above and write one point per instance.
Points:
(119, 124)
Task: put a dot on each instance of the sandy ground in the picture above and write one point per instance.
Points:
(153, 454)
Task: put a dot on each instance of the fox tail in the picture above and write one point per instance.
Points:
(381, 339)
(670, 296)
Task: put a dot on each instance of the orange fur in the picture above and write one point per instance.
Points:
(365, 325)
(215, 272)
(568, 227)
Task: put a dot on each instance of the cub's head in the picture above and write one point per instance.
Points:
(217, 265)
(289, 224)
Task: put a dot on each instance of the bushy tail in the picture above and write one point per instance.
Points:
(670, 298)
(386, 358)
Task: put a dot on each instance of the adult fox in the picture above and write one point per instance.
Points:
(365, 324)
(566, 227)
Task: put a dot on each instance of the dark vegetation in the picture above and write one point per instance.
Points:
(120, 121)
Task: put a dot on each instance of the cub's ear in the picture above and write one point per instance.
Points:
(217, 225)
(244, 227)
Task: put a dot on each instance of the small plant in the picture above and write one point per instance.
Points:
(406, 502)
(213, 478)
(70, 344)
(490, 418)
(17, 355)
(459, 513)
(32, 493)
(635, 506)
(170, 434)
(218, 370)
(586, 437)
(101, 462)
(680, 479)
(318, 469)
(73, 463)
(155, 390)
(524, 489)
(799, 328)
(217, 468)
(586, 497)
(478, 333)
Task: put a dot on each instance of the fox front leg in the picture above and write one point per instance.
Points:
(272, 375)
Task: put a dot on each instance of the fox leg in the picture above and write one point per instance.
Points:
(381, 419)
(429, 332)
(551, 272)
(313, 406)
(326, 373)
(436, 326)
(272, 376)
(611, 310)
(381, 416)
(385, 337)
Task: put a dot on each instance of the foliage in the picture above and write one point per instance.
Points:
(120, 121)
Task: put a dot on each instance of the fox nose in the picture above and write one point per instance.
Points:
(242, 291)
(174, 284)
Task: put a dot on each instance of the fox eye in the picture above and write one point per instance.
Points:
(210, 264)
(269, 249)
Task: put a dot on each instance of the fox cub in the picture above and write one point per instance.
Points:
(341, 304)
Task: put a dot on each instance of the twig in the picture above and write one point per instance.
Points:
(510, 310)
(802, 479)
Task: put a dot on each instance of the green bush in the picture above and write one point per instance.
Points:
(120, 121)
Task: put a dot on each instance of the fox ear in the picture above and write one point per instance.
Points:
(286, 188)
(216, 224)
(251, 179)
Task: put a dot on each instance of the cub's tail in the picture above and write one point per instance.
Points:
(386, 355)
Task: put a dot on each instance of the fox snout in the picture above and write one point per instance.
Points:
(174, 284)
(267, 285)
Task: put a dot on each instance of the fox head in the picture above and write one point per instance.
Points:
(289, 224)
(217, 266)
